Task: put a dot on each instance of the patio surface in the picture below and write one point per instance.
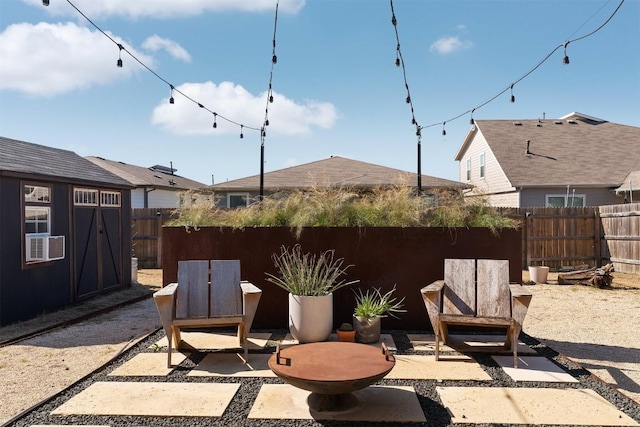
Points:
(205, 385)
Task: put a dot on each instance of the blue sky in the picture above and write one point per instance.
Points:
(336, 88)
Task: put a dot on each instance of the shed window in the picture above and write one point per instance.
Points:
(36, 220)
(110, 198)
(468, 169)
(85, 197)
(481, 165)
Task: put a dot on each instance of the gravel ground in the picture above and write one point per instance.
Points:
(596, 327)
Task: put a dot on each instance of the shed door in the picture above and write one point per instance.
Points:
(98, 249)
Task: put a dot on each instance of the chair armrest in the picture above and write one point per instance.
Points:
(433, 287)
(520, 300)
(249, 288)
(519, 290)
(168, 290)
(432, 297)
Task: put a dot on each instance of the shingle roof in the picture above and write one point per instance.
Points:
(630, 182)
(334, 171)
(38, 160)
(145, 177)
(576, 150)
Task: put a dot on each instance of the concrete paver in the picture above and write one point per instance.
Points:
(151, 399)
(148, 364)
(218, 340)
(454, 367)
(427, 342)
(534, 368)
(231, 365)
(377, 403)
(530, 406)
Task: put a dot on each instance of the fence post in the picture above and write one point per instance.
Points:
(598, 237)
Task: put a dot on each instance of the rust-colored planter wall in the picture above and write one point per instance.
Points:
(410, 258)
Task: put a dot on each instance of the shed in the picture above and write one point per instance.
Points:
(65, 232)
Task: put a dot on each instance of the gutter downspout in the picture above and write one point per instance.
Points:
(146, 196)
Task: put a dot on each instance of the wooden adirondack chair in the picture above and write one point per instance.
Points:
(200, 301)
(483, 300)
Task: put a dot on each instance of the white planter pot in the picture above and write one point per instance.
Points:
(310, 318)
(538, 274)
(367, 330)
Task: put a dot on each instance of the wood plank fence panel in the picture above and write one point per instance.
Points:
(146, 235)
(621, 229)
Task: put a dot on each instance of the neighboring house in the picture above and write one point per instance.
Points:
(155, 186)
(65, 230)
(332, 172)
(576, 160)
(630, 187)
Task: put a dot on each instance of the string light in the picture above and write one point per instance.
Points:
(171, 100)
(215, 124)
(534, 68)
(444, 132)
(265, 123)
(119, 63)
(471, 121)
(400, 63)
(45, 2)
(241, 134)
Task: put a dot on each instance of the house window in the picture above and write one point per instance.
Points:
(481, 165)
(85, 197)
(237, 200)
(37, 220)
(468, 169)
(110, 198)
(562, 200)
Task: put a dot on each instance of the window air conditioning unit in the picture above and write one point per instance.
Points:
(45, 248)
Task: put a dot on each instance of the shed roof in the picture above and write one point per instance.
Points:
(334, 171)
(26, 158)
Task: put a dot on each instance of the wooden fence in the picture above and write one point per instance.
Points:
(556, 237)
(146, 232)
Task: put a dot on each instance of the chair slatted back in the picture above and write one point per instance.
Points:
(193, 290)
(493, 295)
(460, 286)
(226, 295)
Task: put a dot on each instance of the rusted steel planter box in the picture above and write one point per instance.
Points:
(410, 258)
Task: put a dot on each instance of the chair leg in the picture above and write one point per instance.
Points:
(514, 344)
(169, 349)
(437, 346)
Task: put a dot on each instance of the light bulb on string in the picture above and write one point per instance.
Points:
(513, 98)
(171, 101)
(444, 132)
(471, 121)
(266, 122)
(408, 99)
(398, 55)
(200, 105)
(241, 134)
(45, 2)
(215, 117)
(119, 62)
(565, 60)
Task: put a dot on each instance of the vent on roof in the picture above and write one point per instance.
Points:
(172, 182)
(164, 169)
(572, 122)
(517, 124)
(557, 122)
(157, 176)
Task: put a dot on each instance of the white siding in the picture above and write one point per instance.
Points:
(494, 181)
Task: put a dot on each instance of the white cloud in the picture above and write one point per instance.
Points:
(286, 117)
(155, 43)
(48, 59)
(446, 45)
(167, 8)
